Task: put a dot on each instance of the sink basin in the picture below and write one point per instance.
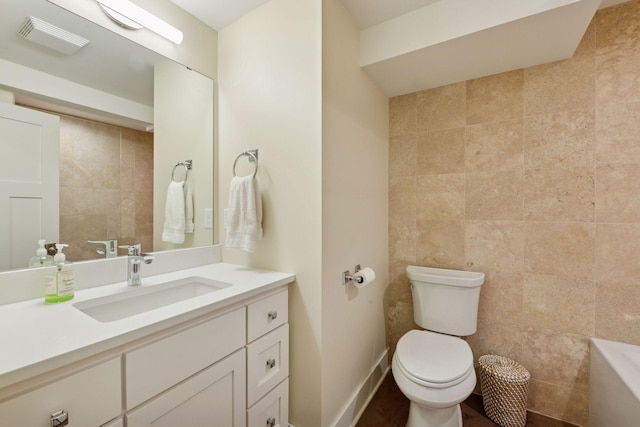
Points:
(140, 300)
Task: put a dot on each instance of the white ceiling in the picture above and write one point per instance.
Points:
(219, 13)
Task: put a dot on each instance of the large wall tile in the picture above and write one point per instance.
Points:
(618, 312)
(563, 403)
(617, 138)
(566, 194)
(618, 193)
(403, 238)
(496, 246)
(557, 358)
(561, 139)
(618, 24)
(616, 73)
(495, 98)
(402, 115)
(559, 249)
(441, 108)
(494, 196)
(440, 243)
(402, 156)
(440, 151)
(616, 250)
(560, 304)
(440, 196)
(501, 297)
(402, 198)
(496, 146)
(562, 85)
(502, 338)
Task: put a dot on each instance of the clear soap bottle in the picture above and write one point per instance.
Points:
(60, 282)
(41, 258)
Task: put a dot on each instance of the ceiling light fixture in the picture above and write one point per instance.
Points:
(131, 16)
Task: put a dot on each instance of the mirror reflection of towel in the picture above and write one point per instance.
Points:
(178, 213)
(243, 222)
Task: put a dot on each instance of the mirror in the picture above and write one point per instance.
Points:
(119, 138)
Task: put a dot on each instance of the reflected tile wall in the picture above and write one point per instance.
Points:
(106, 186)
(532, 177)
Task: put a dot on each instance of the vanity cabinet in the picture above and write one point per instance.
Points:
(228, 368)
(91, 397)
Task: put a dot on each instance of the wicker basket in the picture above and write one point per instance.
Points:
(505, 385)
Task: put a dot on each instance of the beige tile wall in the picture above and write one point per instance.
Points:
(532, 177)
(106, 186)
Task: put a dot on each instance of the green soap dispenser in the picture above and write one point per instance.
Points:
(41, 258)
(60, 282)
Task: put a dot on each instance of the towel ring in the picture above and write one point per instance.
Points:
(252, 158)
(187, 166)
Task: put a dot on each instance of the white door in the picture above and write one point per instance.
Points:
(29, 183)
(215, 397)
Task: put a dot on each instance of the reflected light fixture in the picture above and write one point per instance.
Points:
(133, 17)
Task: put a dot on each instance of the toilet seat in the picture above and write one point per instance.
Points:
(434, 360)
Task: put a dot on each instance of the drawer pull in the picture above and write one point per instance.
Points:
(271, 422)
(272, 315)
(271, 363)
(59, 419)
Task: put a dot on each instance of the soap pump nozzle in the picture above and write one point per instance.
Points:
(59, 257)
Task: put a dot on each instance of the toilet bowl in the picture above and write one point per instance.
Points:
(434, 368)
(435, 372)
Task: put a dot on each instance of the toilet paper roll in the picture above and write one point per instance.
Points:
(363, 277)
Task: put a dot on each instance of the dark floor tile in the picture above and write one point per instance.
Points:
(389, 408)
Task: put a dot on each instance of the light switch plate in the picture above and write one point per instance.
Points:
(208, 218)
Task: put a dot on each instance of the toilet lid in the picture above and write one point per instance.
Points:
(434, 358)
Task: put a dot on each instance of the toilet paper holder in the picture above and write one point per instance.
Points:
(347, 277)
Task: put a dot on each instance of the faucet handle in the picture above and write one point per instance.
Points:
(110, 249)
(132, 250)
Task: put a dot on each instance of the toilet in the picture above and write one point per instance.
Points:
(434, 367)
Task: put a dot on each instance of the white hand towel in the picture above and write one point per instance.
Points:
(174, 218)
(188, 209)
(243, 225)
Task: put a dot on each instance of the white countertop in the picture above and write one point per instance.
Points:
(38, 337)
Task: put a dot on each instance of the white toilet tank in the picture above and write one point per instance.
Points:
(445, 301)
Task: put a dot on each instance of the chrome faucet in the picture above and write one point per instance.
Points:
(134, 263)
(110, 249)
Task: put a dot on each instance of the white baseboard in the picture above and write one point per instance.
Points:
(363, 395)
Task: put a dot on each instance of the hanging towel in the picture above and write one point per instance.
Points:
(243, 222)
(188, 209)
(174, 214)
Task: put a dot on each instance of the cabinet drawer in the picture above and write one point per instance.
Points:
(213, 397)
(267, 363)
(272, 410)
(116, 423)
(91, 398)
(161, 364)
(267, 314)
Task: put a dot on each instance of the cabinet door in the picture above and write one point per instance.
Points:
(161, 364)
(90, 397)
(214, 397)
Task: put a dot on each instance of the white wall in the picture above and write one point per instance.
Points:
(321, 127)
(354, 218)
(183, 117)
(270, 99)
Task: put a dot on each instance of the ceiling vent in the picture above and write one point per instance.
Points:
(41, 32)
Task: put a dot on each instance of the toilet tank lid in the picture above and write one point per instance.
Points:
(441, 276)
